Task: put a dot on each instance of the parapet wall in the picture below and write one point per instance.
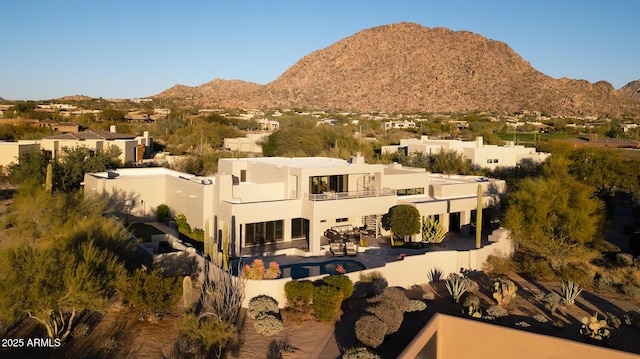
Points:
(403, 273)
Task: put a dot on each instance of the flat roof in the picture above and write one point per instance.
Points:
(301, 162)
(152, 172)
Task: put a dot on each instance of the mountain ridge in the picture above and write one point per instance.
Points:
(406, 67)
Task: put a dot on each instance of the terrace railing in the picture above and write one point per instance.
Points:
(332, 196)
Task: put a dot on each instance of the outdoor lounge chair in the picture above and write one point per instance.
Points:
(351, 249)
(336, 248)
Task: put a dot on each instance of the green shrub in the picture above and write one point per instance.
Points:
(370, 284)
(299, 294)
(268, 324)
(150, 292)
(343, 283)
(326, 302)
(603, 282)
(632, 318)
(416, 306)
(497, 311)
(370, 330)
(578, 273)
(389, 313)
(630, 291)
(471, 300)
(613, 320)
(538, 269)
(359, 353)
(497, 265)
(262, 304)
(162, 212)
(551, 301)
(624, 259)
(540, 318)
(197, 234)
(393, 295)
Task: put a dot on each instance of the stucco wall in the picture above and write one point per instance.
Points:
(404, 273)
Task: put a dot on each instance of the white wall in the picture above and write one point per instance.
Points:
(404, 273)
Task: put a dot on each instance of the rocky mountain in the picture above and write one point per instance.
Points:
(408, 67)
(632, 90)
(217, 91)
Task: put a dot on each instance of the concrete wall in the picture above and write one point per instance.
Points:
(10, 151)
(260, 192)
(446, 337)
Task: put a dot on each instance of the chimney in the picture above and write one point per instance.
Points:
(112, 129)
(479, 142)
(358, 159)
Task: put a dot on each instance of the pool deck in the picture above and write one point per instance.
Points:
(379, 252)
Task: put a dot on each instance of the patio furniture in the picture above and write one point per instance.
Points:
(351, 249)
(337, 249)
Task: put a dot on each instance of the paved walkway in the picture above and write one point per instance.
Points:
(164, 228)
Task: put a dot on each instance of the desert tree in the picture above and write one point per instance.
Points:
(403, 220)
(54, 286)
(31, 166)
(554, 218)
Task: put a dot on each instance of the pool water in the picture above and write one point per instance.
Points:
(304, 270)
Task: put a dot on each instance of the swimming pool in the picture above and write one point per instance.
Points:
(304, 270)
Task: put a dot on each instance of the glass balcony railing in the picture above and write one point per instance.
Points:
(332, 196)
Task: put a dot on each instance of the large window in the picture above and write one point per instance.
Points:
(263, 232)
(299, 228)
(410, 191)
(337, 183)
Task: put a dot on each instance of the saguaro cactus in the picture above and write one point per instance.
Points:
(479, 217)
(225, 246)
(186, 294)
(207, 244)
(49, 180)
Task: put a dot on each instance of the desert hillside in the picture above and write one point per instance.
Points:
(408, 67)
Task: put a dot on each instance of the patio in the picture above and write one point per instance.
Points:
(378, 253)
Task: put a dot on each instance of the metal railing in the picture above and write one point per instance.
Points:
(332, 196)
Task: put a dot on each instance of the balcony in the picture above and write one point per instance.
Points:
(333, 196)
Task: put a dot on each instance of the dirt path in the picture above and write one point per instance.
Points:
(309, 339)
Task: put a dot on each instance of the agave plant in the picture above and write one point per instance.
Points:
(570, 292)
(457, 286)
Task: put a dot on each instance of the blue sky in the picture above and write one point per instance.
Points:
(129, 48)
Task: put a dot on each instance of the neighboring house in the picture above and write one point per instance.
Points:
(479, 154)
(326, 121)
(266, 200)
(62, 127)
(626, 127)
(398, 124)
(137, 117)
(251, 143)
(10, 151)
(268, 125)
(3, 108)
(132, 148)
